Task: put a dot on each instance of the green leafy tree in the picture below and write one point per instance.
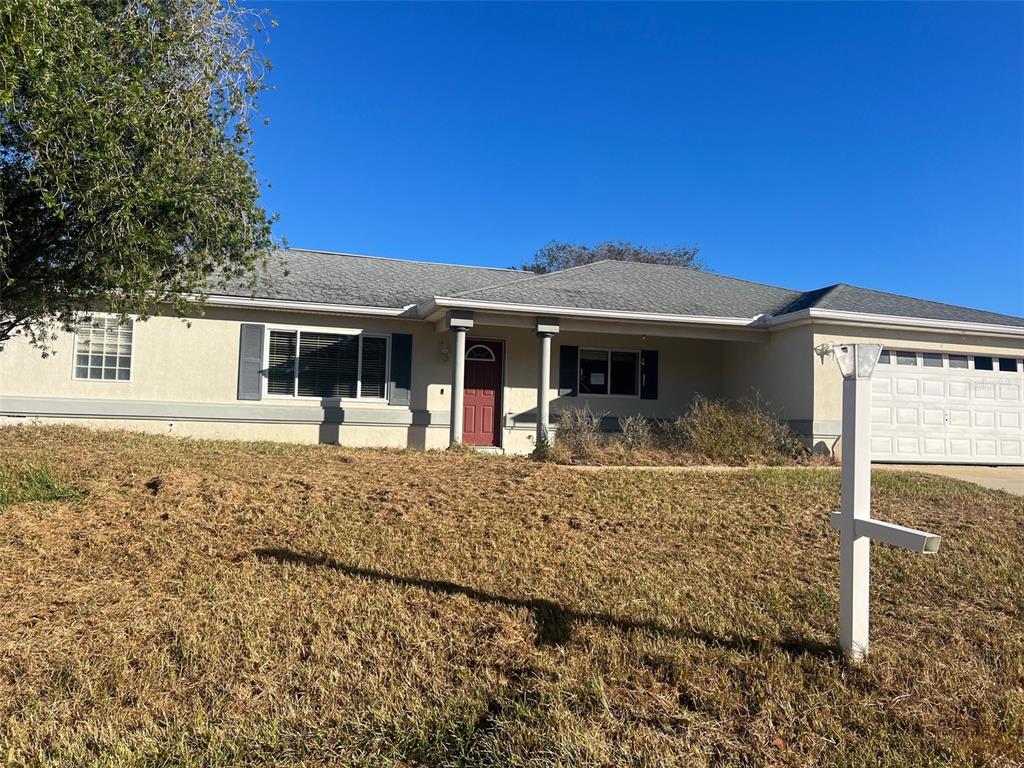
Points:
(556, 256)
(126, 175)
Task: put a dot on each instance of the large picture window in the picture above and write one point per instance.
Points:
(103, 349)
(609, 372)
(315, 364)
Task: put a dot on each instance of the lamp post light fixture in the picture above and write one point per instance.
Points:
(857, 361)
(853, 521)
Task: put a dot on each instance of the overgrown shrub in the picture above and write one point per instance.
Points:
(711, 431)
(672, 434)
(741, 434)
(579, 433)
(637, 434)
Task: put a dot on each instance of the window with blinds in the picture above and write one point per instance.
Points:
(314, 364)
(374, 367)
(281, 363)
(103, 349)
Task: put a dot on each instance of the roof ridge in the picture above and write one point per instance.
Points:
(705, 271)
(396, 258)
(526, 278)
(699, 270)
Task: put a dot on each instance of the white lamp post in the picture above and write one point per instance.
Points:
(856, 528)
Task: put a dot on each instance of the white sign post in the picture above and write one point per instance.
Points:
(856, 528)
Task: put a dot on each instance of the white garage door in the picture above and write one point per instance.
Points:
(953, 409)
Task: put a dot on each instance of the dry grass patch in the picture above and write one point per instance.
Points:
(233, 603)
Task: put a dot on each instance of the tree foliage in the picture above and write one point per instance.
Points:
(556, 256)
(126, 176)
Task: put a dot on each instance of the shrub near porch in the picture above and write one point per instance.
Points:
(226, 603)
(745, 433)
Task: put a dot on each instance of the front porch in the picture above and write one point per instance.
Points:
(512, 374)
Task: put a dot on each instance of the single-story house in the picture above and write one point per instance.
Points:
(368, 351)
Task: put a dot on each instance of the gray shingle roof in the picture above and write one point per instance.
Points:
(632, 287)
(366, 281)
(850, 298)
(655, 288)
(332, 278)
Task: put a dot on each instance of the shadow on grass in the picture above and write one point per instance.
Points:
(555, 622)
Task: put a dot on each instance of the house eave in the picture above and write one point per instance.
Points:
(309, 306)
(892, 322)
(433, 309)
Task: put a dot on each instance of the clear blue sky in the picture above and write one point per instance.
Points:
(799, 145)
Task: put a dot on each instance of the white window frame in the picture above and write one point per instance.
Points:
(298, 331)
(491, 359)
(995, 364)
(608, 360)
(946, 364)
(997, 369)
(968, 356)
(74, 351)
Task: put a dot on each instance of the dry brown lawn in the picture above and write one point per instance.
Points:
(179, 603)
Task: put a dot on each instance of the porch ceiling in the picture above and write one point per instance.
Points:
(697, 329)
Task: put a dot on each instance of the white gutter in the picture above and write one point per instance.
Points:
(815, 314)
(306, 306)
(760, 322)
(441, 302)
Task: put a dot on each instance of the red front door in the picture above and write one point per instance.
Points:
(481, 421)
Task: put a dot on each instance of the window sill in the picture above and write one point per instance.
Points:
(328, 400)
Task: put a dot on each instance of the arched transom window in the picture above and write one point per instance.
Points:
(480, 352)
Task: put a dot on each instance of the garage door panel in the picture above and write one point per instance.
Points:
(905, 386)
(947, 415)
(986, 391)
(907, 446)
(985, 448)
(1009, 393)
(881, 445)
(985, 419)
(906, 417)
(959, 418)
(960, 389)
(1009, 420)
(1010, 449)
(959, 448)
(881, 415)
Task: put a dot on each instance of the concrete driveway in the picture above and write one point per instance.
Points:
(1009, 479)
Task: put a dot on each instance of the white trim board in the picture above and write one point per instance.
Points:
(329, 411)
(833, 316)
(437, 303)
(309, 306)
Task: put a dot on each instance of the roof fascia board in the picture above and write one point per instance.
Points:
(444, 302)
(623, 328)
(832, 316)
(307, 306)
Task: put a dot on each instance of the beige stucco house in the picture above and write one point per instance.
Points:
(367, 351)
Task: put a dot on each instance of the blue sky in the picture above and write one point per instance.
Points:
(799, 145)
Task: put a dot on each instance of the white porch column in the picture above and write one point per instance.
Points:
(458, 323)
(855, 504)
(546, 328)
